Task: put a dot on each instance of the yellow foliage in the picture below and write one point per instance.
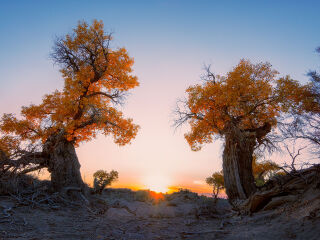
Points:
(249, 96)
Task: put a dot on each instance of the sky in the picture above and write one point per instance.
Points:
(170, 41)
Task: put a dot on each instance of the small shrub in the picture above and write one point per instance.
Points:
(102, 179)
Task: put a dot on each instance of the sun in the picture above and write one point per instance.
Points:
(157, 183)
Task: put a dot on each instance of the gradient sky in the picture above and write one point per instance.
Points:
(170, 42)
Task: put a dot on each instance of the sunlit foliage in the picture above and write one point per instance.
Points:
(249, 96)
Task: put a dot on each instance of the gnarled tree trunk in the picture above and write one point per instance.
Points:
(63, 163)
(237, 163)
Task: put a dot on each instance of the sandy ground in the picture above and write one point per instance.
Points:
(122, 219)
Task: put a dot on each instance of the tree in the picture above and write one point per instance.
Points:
(216, 180)
(242, 108)
(96, 79)
(102, 179)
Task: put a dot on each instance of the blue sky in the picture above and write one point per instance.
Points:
(170, 42)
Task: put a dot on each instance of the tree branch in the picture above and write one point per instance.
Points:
(111, 96)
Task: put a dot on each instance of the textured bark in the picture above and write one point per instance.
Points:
(63, 164)
(237, 164)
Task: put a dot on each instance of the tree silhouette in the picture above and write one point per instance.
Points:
(96, 79)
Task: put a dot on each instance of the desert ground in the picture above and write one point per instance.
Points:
(126, 214)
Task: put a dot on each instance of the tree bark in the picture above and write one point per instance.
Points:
(63, 163)
(237, 163)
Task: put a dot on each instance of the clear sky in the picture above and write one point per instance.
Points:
(170, 42)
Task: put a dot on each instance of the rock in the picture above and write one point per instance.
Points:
(118, 213)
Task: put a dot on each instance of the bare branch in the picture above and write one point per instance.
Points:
(209, 76)
(116, 97)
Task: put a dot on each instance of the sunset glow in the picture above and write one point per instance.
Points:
(157, 183)
(166, 62)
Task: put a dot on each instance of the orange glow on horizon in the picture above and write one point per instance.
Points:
(157, 183)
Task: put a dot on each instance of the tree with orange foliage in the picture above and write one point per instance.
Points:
(242, 108)
(216, 180)
(96, 79)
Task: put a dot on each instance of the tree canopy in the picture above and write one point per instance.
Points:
(250, 96)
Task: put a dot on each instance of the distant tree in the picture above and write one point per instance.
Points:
(102, 179)
(242, 108)
(96, 79)
(216, 180)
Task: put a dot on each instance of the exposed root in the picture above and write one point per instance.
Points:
(281, 190)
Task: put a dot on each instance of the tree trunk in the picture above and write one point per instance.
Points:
(63, 163)
(237, 164)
